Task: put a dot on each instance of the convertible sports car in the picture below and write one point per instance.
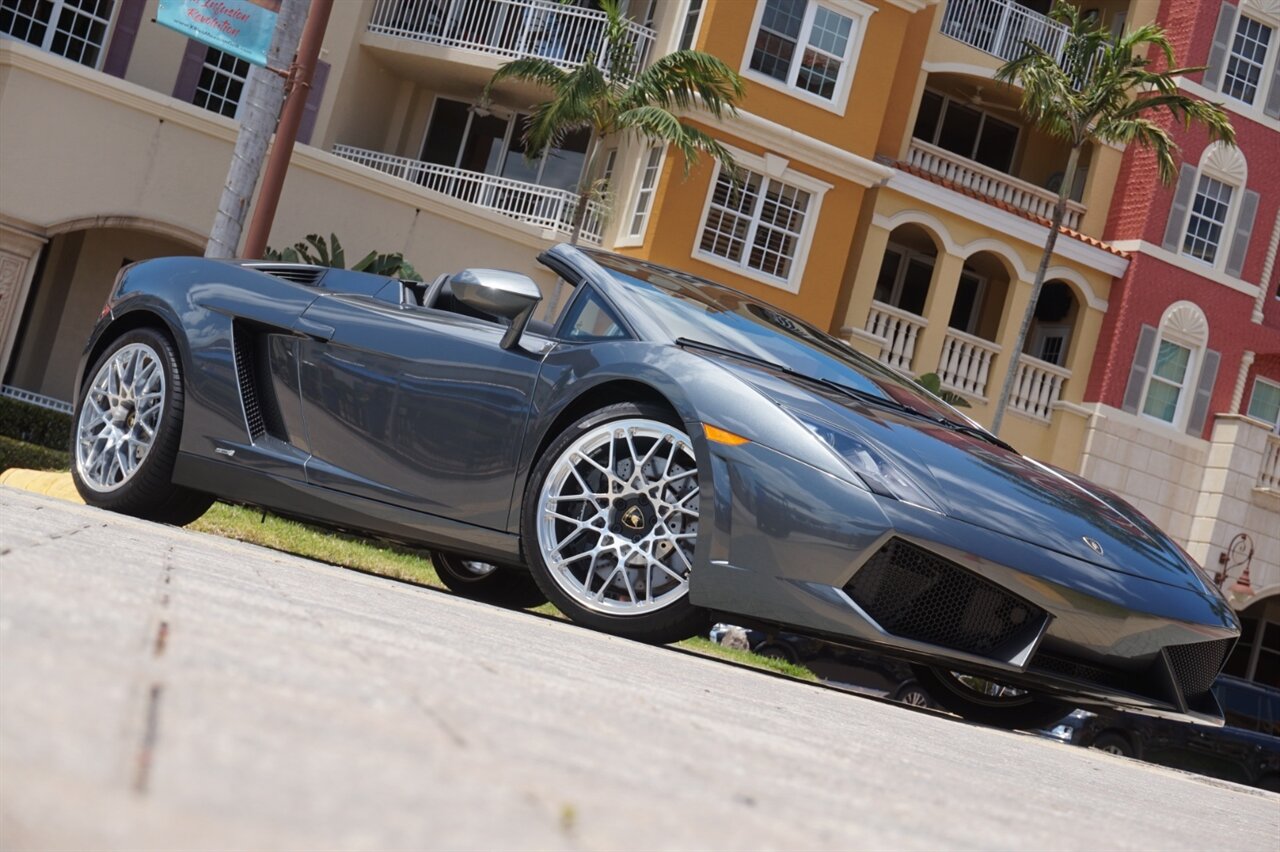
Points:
(659, 450)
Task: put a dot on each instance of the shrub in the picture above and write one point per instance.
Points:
(23, 421)
(21, 454)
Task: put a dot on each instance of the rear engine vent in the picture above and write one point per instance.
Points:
(1196, 666)
(298, 273)
(916, 594)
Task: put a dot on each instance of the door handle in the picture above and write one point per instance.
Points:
(316, 330)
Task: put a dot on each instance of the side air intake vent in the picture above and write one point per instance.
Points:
(916, 594)
(298, 273)
(253, 372)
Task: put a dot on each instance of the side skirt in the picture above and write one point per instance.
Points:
(314, 504)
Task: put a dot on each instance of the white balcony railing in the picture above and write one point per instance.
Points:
(1002, 28)
(994, 184)
(897, 331)
(563, 34)
(543, 206)
(1037, 387)
(965, 363)
(1269, 472)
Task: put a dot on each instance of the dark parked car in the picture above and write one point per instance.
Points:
(661, 449)
(838, 665)
(1245, 750)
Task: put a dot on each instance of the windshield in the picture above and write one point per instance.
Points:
(698, 310)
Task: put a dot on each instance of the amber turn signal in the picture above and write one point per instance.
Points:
(722, 436)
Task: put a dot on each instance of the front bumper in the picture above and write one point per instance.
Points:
(794, 546)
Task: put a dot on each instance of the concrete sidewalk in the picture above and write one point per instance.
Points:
(165, 689)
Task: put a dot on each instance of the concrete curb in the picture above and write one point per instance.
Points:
(51, 483)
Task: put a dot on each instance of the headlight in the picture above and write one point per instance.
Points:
(879, 474)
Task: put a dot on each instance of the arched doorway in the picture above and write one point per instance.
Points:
(969, 350)
(902, 290)
(1049, 338)
(75, 275)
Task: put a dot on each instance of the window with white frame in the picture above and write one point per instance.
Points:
(1208, 219)
(807, 46)
(1248, 60)
(644, 195)
(904, 278)
(221, 83)
(689, 31)
(1165, 388)
(1264, 402)
(756, 223)
(75, 29)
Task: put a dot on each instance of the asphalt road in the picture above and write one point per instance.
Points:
(162, 688)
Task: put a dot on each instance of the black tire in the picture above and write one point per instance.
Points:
(1027, 711)
(502, 585)
(672, 622)
(1271, 783)
(775, 650)
(1114, 743)
(913, 694)
(149, 492)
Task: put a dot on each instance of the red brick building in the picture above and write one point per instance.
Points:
(1184, 397)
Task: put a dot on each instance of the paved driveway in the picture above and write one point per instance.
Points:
(162, 688)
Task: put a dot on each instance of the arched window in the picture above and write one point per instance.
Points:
(1213, 210)
(1174, 370)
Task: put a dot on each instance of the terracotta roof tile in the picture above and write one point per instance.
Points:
(1007, 207)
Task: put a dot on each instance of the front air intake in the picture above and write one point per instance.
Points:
(1196, 665)
(917, 594)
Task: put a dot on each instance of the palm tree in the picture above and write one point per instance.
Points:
(1104, 89)
(601, 95)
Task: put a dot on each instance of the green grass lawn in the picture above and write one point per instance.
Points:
(402, 563)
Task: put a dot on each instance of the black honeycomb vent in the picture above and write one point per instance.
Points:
(1196, 666)
(253, 372)
(248, 387)
(916, 594)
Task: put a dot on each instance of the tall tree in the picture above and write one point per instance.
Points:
(1104, 88)
(607, 94)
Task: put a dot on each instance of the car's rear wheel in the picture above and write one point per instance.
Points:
(987, 702)
(611, 524)
(485, 581)
(1113, 743)
(128, 424)
(913, 694)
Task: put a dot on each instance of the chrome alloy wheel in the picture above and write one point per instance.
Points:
(119, 417)
(618, 517)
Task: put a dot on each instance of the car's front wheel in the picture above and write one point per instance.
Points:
(987, 702)
(485, 581)
(128, 424)
(610, 524)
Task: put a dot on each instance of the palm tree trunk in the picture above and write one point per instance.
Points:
(1059, 213)
(584, 190)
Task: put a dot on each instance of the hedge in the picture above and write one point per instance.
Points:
(23, 421)
(21, 454)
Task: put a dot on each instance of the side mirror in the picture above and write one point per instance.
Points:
(500, 293)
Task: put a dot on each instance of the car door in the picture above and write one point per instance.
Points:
(414, 406)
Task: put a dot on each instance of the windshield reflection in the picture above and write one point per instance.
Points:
(702, 311)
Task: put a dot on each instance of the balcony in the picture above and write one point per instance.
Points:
(896, 331)
(541, 206)
(1002, 28)
(567, 36)
(1037, 387)
(990, 183)
(965, 365)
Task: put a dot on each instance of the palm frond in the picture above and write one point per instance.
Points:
(687, 79)
(530, 69)
(661, 125)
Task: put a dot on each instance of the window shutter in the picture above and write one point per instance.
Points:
(1272, 107)
(1204, 391)
(1138, 373)
(184, 88)
(1244, 226)
(1175, 230)
(319, 77)
(1222, 38)
(128, 19)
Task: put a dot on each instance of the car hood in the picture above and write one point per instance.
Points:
(988, 486)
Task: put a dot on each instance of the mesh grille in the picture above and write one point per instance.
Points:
(916, 594)
(248, 389)
(1196, 666)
